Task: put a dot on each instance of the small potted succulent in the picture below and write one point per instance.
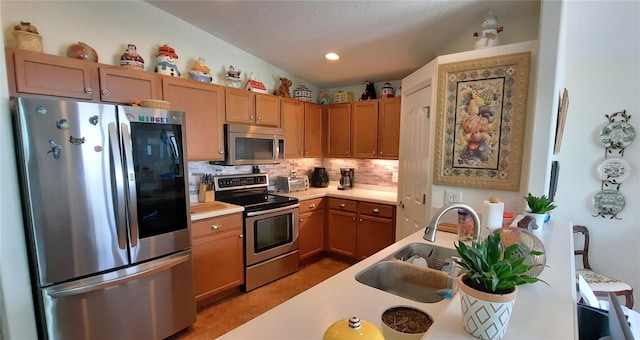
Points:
(488, 280)
(539, 208)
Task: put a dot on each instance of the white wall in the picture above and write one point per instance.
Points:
(602, 77)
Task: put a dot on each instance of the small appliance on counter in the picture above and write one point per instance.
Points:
(319, 178)
(346, 179)
(292, 183)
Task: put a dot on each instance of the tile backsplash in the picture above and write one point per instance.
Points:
(367, 171)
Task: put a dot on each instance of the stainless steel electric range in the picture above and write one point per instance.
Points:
(270, 227)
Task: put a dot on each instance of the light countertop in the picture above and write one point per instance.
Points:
(540, 311)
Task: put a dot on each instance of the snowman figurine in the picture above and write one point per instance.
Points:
(166, 58)
(490, 30)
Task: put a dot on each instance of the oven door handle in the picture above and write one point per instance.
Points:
(270, 211)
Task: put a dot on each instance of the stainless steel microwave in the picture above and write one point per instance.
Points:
(251, 144)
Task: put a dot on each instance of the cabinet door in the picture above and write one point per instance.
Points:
(338, 130)
(46, 74)
(126, 86)
(218, 263)
(267, 110)
(311, 234)
(239, 106)
(364, 129)
(203, 105)
(342, 232)
(389, 128)
(374, 234)
(313, 130)
(293, 124)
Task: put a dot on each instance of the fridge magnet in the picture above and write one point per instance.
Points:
(283, 89)
(62, 124)
(97, 148)
(131, 59)
(41, 110)
(76, 141)
(55, 149)
(93, 120)
(480, 122)
(490, 30)
(200, 72)
(166, 62)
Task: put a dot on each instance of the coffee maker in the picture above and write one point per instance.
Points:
(346, 179)
(319, 178)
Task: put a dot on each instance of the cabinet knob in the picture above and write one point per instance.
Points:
(312, 205)
(342, 205)
(88, 90)
(215, 226)
(375, 211)
(360, 220)
(346, 152)
(380, 153)
(373, 152)
(221, 152)
(259, 118)
(302, 220)
(250, 117)
(353, 218)
(105, 93)
(241, 236)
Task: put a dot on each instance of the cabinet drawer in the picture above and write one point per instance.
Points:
(312, 205)
(340, 204)
(374, 209)
(216, 225)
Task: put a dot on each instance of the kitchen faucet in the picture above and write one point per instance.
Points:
(430, 230)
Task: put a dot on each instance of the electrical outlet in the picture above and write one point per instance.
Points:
(394, 177)
(516, 205)
(452, 196)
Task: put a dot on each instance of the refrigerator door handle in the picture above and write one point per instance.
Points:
(146, 270)
(121, 220)
(131, 179)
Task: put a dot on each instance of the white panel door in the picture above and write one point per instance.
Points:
(414, 185)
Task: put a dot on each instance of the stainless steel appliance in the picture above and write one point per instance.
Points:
(106, 219)
(270, 227)
(250, 144)
(319, 178)
(292, 183)
(346, 179)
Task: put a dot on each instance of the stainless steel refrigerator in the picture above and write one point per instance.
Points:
(106, 211)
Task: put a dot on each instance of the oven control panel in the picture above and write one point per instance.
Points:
(241, 181)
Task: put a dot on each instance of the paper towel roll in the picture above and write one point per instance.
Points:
(492, 215)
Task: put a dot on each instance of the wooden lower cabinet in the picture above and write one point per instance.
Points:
(359, 229)
(312, 217)
(217, 246)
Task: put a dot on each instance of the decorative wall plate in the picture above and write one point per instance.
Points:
(614, 169)
(608, 201)
(617, 135)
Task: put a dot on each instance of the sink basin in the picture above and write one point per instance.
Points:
(400, 277)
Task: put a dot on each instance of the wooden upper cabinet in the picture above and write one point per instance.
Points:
(203, 105)
(292, 112)
(389, 128)
(240, 106)
(267, 110)
(45, 74)
(313, 130)
(126, 86)
(364, 129)
(338, 130)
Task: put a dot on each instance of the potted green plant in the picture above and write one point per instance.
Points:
(539, 207)
(488, 280)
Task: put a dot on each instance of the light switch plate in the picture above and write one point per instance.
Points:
(452, 196)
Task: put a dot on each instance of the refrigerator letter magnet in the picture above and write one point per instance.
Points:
(62, 124)
(93, 120)
(41, 110)
(55, 149)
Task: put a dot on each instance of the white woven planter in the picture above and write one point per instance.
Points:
(484, 315)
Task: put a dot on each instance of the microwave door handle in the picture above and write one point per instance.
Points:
(131, 178)
(121, 220)
(276, 148)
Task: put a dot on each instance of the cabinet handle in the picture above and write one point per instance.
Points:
(215, 226)
(105, 93)
(375, 211)
(88, 90)
(250, 117)
(342, 205)
(312, 205)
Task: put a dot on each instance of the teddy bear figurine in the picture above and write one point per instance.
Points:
(283, 90)
(490, 30)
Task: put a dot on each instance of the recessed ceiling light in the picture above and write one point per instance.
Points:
(331, 56)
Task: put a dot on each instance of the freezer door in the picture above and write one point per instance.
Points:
(73, 213)
(150, 301)
(153, 155)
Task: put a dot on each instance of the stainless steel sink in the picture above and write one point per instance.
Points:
(396, 274)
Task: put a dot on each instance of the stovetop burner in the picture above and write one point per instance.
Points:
(249, 191)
